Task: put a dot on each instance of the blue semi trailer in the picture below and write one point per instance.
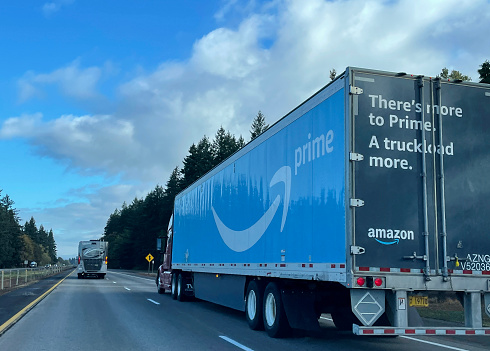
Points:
(358, 203)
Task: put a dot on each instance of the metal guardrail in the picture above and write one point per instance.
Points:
(10, 278)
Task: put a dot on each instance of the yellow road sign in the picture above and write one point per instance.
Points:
(149, 258)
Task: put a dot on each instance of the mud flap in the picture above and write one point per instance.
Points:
(188, 285)
(300, 309)
(486, 298)
(367, 305)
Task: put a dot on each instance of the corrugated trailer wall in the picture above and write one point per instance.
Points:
(276, 205)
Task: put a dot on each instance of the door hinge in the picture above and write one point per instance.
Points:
(356, 202)
(354, 156)
(355, 90)
(357, 250)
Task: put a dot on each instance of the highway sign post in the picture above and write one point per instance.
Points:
(149, 258)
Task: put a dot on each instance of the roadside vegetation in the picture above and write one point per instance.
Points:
(27, 243)
(447, 307)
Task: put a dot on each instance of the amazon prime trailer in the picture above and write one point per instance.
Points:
(360, 202)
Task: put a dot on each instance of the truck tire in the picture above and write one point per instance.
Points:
(275, 320)
(180, 288)
(173, 292)
(79, 276)
(253, 306)
(159, 289)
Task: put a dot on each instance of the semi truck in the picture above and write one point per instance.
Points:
(92, 259)
(360, 202)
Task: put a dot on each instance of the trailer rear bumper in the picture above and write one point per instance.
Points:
(390, 331)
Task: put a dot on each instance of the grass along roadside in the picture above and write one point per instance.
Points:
(448, 309)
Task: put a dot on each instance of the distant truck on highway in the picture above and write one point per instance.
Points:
(358, 203)
(92, 258)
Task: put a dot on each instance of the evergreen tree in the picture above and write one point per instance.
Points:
(51, 247)
(31, 230)
(258, 126)
(484, 72)
(42, 237)
(241, 142)
(198, 162)
(455, 75)
(174, 184)
(10, 234)
(224, 145)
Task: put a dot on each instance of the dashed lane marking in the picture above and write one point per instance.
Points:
(237, 344)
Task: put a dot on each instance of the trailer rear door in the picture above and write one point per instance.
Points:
(420, 191)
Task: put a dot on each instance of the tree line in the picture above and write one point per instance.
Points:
(23, 243)
(132, 231)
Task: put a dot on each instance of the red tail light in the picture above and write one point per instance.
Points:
(361, 281)
(378, 281)
(78, 259)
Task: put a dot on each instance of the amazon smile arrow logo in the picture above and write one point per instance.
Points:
(242, 240)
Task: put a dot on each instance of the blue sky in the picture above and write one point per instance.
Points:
(100, 100)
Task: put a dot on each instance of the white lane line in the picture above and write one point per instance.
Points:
(328, 319)
(149, 280)
(433, 343)
(114, 282)
(156, 303)
(237, 344)
(128, 289)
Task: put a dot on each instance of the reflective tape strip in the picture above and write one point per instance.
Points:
(418, 331)
(412, 270)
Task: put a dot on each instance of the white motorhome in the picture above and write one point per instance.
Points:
(92, 258)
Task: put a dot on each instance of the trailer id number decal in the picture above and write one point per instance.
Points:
(476, 262)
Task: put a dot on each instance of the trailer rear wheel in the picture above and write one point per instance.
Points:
(174, 286)
(254, 302)
(180, 288)
(275, 320)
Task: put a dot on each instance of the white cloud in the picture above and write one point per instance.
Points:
(71, 80)
(89, 144)
(231, 75)
(232, 54)
(274, 60)
(23, 126)
(49, 8)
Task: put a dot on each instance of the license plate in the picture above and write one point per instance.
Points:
(418, 301)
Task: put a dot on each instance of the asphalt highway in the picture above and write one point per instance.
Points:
(124, 312)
